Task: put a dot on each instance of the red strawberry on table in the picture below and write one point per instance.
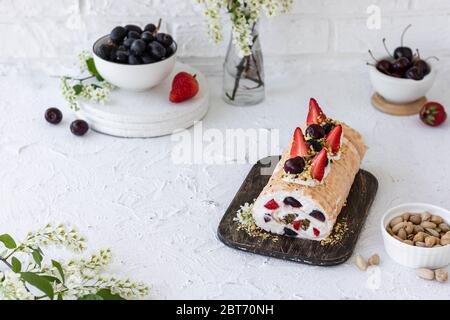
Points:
(333, 140)
(433, 114)
(315, 115)
(318, 165)
(184, 87)
(271, 205)
(299, 147)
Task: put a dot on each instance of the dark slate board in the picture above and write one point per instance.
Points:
(309, 252)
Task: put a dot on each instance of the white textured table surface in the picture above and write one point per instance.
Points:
(161, 219)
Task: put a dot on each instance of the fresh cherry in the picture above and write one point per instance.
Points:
(290, 233)
(295, 165)
(315, 131)
(384, 66)
(414, 73)
(328, 127)
(79, 127)
(315, 145)
(402, 51)
(53, 116)
(401, 65)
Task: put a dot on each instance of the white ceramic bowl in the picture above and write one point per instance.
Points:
(133, 77)
(411, 256)
(399, 90)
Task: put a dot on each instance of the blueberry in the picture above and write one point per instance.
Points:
(138, 47)
(165, 39)
(133, 35)
(294, 165)
(113, 54)
(122, 56)
(133, 60)
(290, 201)
(315, 131)
(53, 115)
(79, 127)
(147, 36)
(122, 48)
(290, 233)
(128, 42)
(133, 27)
(328, 127)
(147, 59)
(104, 51)
(169, 52)
(316, 145)
(150, 28)
(317, 215)
(156, 50)
(118, 34)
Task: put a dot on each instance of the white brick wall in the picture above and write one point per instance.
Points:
(47, 34)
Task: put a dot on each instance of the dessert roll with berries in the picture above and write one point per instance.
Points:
(311, 183)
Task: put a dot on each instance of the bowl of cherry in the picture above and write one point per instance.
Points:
(135, 59)
(402, 77)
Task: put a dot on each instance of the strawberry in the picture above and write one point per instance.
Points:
(299, 147)
(297, 224)
(333, 140)
(184, 87)
(271, 205)
(433, 114)
(318, 165)
(316, 232)
(315, 115)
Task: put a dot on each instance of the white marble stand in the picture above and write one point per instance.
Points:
(147, 114)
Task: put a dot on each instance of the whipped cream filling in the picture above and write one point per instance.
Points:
(282, 218)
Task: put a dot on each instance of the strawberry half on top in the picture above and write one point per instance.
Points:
(315, 115)
(299, 146)
(318, 165)
(184, 87)
(333, 140)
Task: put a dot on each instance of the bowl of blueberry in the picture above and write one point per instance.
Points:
(402, 77)
(135, 59)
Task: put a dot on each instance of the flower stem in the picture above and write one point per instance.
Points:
(6, 262)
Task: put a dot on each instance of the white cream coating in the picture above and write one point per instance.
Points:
(276, 226)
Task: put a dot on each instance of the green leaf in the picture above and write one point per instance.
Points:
(106, 294)
(90, 297)
(37, 256)
(51, 279)
(16, 265)
(8, 241)
(93, 69)
(60, 296)
(39, 282)
(78, 88)
(58, 267)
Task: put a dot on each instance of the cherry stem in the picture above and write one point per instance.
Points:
(371, 54)
(418, 53)
(432, 57)
(386, 48)
(404, 32)
(370, 64)
(159, 25)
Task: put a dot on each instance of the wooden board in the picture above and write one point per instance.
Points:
(406, 109)
(353, 215)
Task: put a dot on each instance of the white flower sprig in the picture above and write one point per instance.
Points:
(74, 88)
(243, 14)
(75, 279)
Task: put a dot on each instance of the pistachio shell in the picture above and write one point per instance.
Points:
(426, 274)
(428, 224)
(395, 221)
(420, 244)
(416, 219)
(441, 275)
(436, 219)
(374, 260)
(361, 263)
(425, 216)
(433, 232)
(430, 241)
(444, 227)
(402, 234)
(398, 226)
(406, 216)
